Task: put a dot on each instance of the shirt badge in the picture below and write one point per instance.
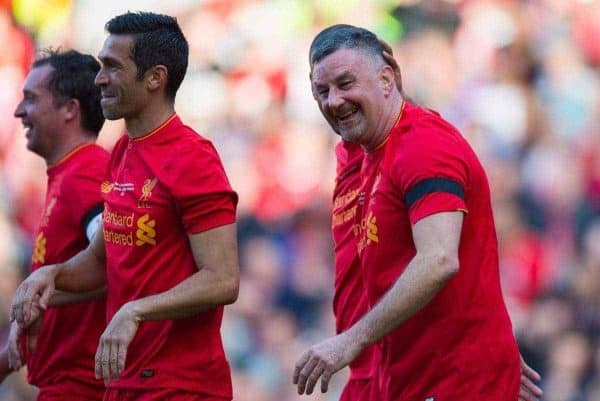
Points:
(147, 188)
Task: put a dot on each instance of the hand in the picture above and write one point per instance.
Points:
(112, 350)
(323, 360)
(33, 332)
(15, 358)
(529, 391)
(33, 293)
(388, 56)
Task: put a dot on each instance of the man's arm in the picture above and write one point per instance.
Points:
(10, 356)
(63, 298)
(215, 283)
(436, 239)
(84, 272)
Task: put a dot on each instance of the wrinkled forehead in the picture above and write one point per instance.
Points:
(341, 62)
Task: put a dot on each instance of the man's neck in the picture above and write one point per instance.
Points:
(389, 119)
(149, 119)
(70, 143)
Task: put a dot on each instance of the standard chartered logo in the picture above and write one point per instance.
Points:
(368, 231)
(39, 252)
(372, 228)
(146, 233)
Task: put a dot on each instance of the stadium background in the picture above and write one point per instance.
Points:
(521, 79)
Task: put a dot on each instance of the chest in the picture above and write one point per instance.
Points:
(382, 222)
(135, 187)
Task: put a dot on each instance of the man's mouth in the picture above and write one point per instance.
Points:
(107, 96)
(27, 129)
(347, 115)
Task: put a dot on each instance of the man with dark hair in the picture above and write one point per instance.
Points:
(61, 113)
(157, 40)
(167, 251)
(425, 239)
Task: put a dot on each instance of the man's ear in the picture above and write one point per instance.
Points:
(71, 109)
(156, 77)
(387, 77)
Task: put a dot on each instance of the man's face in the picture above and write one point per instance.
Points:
(39, 112)
(123, 94)
(348, 88)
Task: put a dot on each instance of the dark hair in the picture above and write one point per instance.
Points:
(158, 40)
(341, 36)
(73, 77)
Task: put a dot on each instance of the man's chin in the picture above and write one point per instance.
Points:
(349, 137)
(111, 114)
(32, 147)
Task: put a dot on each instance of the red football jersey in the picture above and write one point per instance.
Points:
(162, 187)
(461, 345)
(350, 298)
(63, 363)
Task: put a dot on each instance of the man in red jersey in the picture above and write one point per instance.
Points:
(426, 240)
(167, 251)
(62, 116)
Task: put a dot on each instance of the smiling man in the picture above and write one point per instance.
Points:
(61, 114)
(167, 251)
(425, 240)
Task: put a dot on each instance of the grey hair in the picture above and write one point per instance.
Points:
(344, 36)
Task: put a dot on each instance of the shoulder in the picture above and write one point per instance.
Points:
(96, 155)
(424, 133)
(427, 146)
(89, 163)
(185, 155)
(191, 149)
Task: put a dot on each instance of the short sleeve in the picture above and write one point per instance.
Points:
(429, 169)
(82, 190)
(202, 192)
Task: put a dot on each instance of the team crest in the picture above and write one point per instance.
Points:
(147, 188)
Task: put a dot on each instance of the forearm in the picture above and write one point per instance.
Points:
(82, 273)
(422, 279)
(62, 298)
(204, 290)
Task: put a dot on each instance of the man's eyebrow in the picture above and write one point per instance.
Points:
(108, 60)
(344, 75)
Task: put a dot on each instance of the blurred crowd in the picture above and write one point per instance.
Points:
(519, 78)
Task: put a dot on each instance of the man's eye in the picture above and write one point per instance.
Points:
(345, 84)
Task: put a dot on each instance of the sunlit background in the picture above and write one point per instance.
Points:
(520, 79)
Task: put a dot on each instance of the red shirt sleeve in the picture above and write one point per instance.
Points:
(428, 167)
(201, 189)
